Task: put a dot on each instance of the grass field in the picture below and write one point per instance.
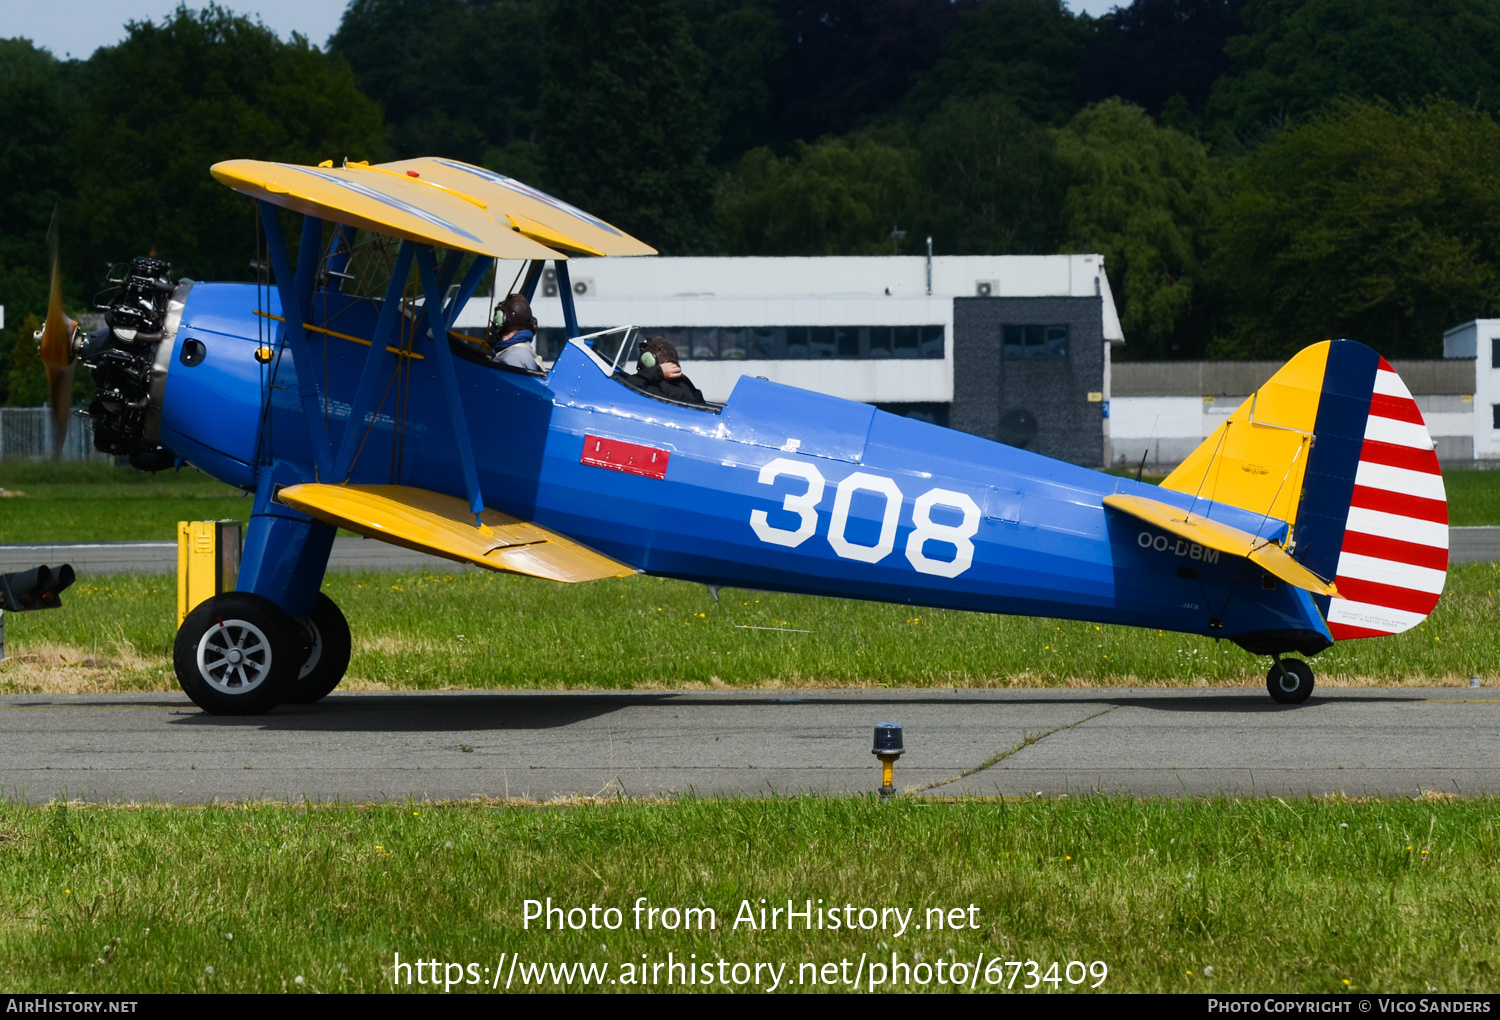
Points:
(48, 502)
(97, 503)
(1217, 895)
(1312, 895)
(480, 630)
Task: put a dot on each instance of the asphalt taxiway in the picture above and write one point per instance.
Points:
(546, 745)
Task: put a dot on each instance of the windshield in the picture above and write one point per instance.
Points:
(615, 347)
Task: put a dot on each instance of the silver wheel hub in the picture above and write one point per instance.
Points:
(234, 657)
(1288, 680)
(315, 652)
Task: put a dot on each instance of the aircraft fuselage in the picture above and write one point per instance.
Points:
(782, 490)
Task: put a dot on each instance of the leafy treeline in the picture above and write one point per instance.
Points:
(1259, 173)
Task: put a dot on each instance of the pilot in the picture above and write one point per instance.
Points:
(511, 334)
(659, 373)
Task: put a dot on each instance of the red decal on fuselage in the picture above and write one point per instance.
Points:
(627, 457)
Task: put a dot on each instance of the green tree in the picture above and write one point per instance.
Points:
(624, 130)
(27, 382)
(741, 40)
(173, 99)
(990, 180)
(458, 78)
(1141, 195)
(1301, 55)
(39, 105)
(1372, 223)
(1029, 51)
(841, 196)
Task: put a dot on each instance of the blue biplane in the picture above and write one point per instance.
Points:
(1315, 513)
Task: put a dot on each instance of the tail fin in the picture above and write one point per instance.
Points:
(1335, 444)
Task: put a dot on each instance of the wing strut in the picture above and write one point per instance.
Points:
(292, 304)
(481, 268)
(437, 320)
(565, 292)
(533, 274)
(369, 376)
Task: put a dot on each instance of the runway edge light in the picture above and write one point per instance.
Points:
(888, 747)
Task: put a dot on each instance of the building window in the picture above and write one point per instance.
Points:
(1034, 341)
(1495, 354)
(782, 343)
(932, 413)
(1495, 416)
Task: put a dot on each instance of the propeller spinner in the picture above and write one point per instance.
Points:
(57, 337)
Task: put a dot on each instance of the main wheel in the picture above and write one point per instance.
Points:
(237, 654)
(1290, 681)
(327, 637)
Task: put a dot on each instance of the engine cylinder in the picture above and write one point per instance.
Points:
(130, 357)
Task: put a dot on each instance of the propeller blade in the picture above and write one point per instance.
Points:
(57, 349)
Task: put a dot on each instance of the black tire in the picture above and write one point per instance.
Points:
(1293, 686)
(328, 646)
(237, 654)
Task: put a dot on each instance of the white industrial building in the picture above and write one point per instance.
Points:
(1014, 348)
(1010, 347)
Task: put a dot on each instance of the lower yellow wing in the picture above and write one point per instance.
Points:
(1213, 535)
(443, 526)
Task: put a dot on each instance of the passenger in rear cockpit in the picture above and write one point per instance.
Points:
(659, 373)
(511, 334)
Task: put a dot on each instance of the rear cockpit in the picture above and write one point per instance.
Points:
(614, 350)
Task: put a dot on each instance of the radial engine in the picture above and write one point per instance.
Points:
(129, 358)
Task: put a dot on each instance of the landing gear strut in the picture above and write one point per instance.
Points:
(1290, 681)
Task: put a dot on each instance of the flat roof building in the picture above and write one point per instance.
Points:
(1013, 348)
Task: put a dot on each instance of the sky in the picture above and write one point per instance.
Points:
(78, 27)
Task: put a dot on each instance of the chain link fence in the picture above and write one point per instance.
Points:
(26, 432)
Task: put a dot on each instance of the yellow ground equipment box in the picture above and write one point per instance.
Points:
(208, 561)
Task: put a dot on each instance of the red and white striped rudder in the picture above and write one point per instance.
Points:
(1394, 558)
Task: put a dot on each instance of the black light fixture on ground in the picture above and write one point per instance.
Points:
(38, 588)
(888, 747)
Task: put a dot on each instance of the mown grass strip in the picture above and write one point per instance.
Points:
(47, 502)
(1329, 896)
(473, 630)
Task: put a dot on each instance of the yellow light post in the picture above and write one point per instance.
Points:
(888, 747)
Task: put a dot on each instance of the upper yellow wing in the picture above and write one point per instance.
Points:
(1213, 535)
(386, 203)
(433, 523)
(528, 211)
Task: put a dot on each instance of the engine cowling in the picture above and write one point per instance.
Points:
(130, 357)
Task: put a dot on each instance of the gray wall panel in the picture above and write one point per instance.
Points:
(1054, 390)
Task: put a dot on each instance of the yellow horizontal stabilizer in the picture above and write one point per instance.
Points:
(566, 226)
(430, 522)
(386, 203)
(1213, 535)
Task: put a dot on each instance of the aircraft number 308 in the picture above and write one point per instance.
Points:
(805, 506)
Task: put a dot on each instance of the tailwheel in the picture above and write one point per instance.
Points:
(1290, 681)
(237, 654)
(326, 637)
